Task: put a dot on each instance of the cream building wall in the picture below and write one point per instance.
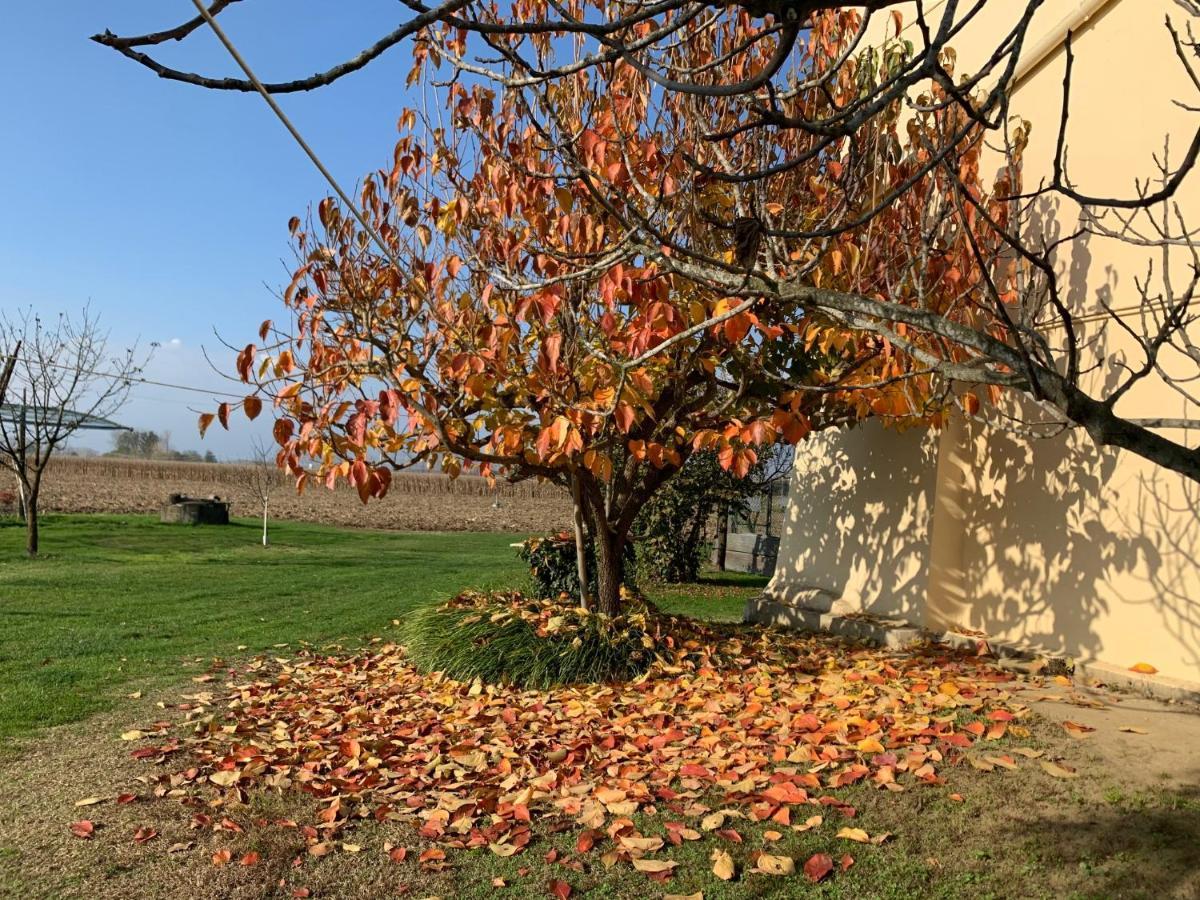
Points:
(1046, 542)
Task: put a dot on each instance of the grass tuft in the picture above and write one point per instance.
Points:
(506, 638)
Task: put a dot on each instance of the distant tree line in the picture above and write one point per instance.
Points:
(152, 445)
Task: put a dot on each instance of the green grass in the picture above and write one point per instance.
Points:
(495, 645)
(118, 604)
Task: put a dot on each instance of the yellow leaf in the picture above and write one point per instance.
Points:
(566, 201)
(1143, 668)
(809, 824)
(712, 821)
(723, 866)
(870, 745)
(776, 865)
(1057, 771)
(854, 834)
(134, 735)
(642, 844)
(654, 866)
(225, 778)
(89, 801)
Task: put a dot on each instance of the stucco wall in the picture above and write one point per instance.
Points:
(1045, 541)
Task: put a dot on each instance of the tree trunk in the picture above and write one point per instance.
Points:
(31, 522)
(610, 571)
(722, 536)
(581, 570)
(264, 524)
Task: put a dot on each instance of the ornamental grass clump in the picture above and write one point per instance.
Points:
(507, 638)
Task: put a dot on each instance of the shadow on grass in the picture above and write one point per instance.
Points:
(1146, 844)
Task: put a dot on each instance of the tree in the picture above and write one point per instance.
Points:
(65, 379)
(258, 477)
(145, 444)
(482, 309)
(771, 92)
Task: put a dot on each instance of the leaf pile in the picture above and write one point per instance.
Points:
(761, 724)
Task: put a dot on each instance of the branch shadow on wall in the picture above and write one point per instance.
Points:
(1055, 534)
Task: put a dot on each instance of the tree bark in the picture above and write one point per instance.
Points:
(610, 570)
(31, 522)
(581, 569)
(722, 536)
(264, 524)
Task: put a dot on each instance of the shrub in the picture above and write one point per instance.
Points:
(553, 568)
(508, 638)
(670, 528)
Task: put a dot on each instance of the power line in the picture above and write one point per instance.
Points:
(295, 133)
(133, 379)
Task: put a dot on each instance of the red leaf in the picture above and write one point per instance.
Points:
(819, 866)
(560, 889)
(83, 829)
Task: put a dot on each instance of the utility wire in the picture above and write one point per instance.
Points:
(295, 133)
(132, 379)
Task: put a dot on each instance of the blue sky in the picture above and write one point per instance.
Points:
(164, 205)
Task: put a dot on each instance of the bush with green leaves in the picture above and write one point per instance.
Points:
(670, 529)
(554, 570)
(511, 639)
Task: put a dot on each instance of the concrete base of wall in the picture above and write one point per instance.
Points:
(897, 634)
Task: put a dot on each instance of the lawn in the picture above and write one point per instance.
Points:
(107, 631)
(118, 604)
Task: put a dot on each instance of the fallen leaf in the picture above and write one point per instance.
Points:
(775, 865)
(249, 859)
(89, 801)
(846, 861)
(712, 822)
(723, 866)
(1143, 668)
(181, 847)
(818, 867)
(1056, 770)
(83, 829)
(772, 835)
(560, 889)
(504, 850)
(699, 895)
(654, 866)
(221, 857)
(1128, 729)
(144, 834)
(225, 778)
(809, 823)
(133, 735)
(642, 844)
(1075, 730)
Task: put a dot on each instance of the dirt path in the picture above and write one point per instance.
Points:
(1148, 743)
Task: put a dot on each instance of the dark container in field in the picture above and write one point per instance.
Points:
(182, 510)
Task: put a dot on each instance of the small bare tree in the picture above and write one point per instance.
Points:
(63, 379)
(258, 477)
